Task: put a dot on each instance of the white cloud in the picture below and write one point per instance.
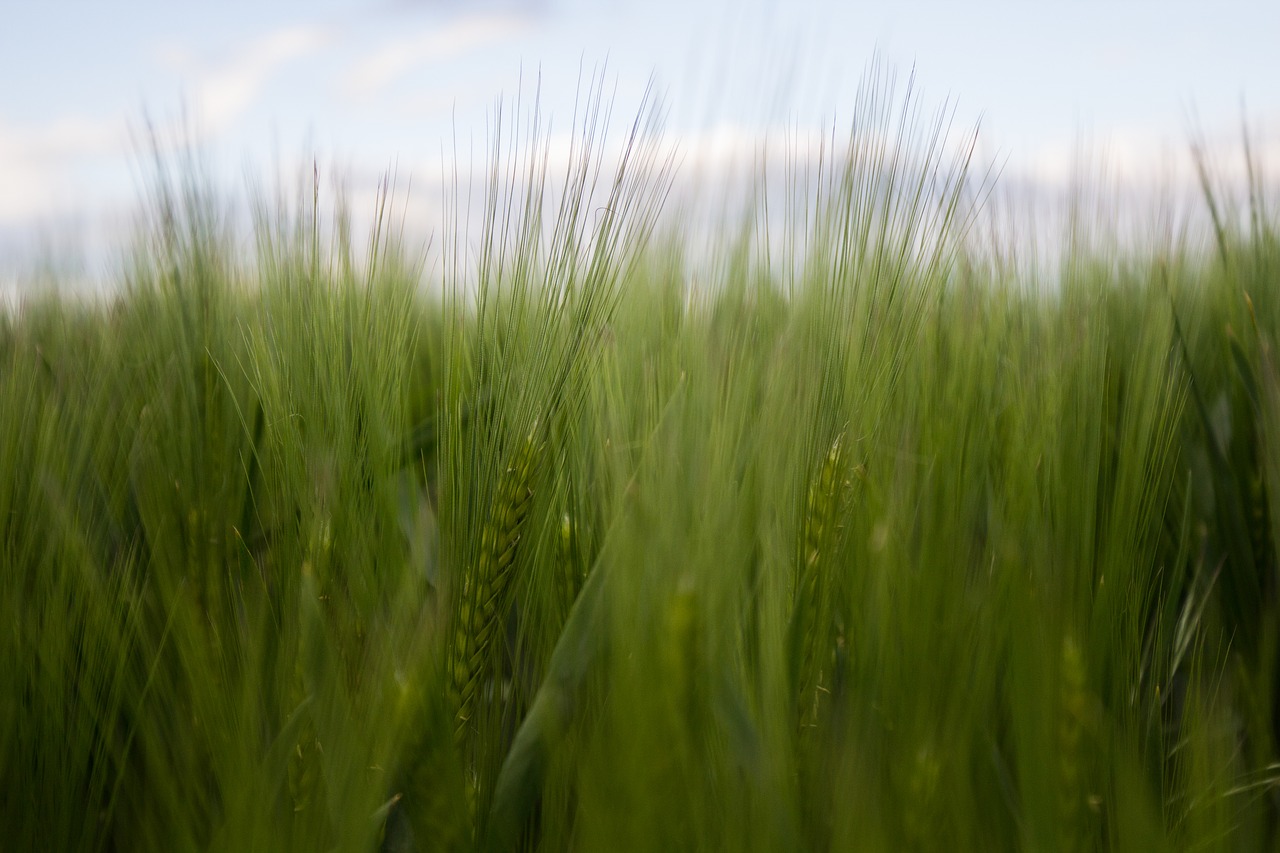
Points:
(174, 56)
(46, 169)
(1144, 159)
(396, 57)
(223, 94)
(39, 164)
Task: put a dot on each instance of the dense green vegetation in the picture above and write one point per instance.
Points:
(867, 543)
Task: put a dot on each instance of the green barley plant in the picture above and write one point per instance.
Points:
(842, 532)
(484, 589)
(810, 631)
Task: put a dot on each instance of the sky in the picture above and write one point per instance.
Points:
(361, 88)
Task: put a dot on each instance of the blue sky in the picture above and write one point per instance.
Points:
(366, 85)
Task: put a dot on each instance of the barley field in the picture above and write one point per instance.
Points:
(868, 540)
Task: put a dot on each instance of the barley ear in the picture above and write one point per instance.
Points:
(1071, 729)
(486, 583)
(810, 629)
(305, 778)
(306, 782)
